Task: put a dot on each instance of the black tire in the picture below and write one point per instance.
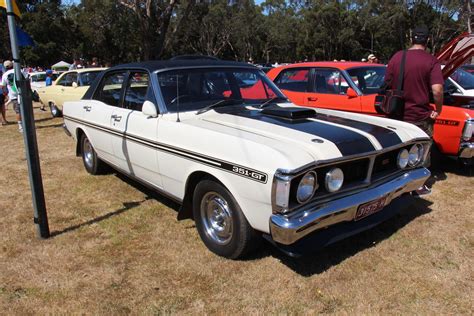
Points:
(92, 163)
(241, 239)
(55, 111)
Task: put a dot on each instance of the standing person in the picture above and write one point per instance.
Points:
(422, 74)
(2, 99)
(75, 64)
(8, 82)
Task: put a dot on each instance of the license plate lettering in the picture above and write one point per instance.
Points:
(370, 208)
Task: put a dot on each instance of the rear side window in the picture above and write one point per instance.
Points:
(110, 88)
(293, 80)
(136, 92)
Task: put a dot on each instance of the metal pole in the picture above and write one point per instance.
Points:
(29, 132)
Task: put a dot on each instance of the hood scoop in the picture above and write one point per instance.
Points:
(289, 113)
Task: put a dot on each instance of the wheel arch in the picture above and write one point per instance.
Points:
(79, 133)
(186, 209)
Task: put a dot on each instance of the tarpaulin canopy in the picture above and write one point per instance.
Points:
(60, 65)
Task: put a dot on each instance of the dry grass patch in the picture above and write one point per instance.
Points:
(118, 249)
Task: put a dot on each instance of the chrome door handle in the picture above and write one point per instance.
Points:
(116, 118)
(87, 108)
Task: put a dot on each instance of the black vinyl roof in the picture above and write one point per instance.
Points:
(153, 65)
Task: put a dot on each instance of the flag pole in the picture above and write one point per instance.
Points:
(29, 132)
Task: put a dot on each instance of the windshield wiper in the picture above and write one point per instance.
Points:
(272, 100)
(219, 104)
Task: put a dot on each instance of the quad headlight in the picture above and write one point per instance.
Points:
(334, 179)
(415, 155)
(402, 160)
(306, 187)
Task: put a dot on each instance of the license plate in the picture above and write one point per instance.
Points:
(370, 208)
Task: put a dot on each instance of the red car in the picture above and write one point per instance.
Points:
(352, 86)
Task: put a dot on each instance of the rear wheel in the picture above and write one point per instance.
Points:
(55, 112)
(92, 163)
(220, 222)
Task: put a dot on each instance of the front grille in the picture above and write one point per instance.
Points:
(385, 164)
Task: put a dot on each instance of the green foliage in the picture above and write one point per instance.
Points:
(118, 31)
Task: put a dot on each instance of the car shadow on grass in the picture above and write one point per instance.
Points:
(336, 253)
(149, 194)
(49, 126)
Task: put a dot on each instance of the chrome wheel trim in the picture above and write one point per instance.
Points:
(88, 153)
(216, 217)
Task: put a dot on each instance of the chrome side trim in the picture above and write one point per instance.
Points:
(287, 229)
(68, 133)
(466, 150)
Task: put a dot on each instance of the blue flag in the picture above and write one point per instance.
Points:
(23, 38)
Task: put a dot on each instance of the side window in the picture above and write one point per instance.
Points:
(136, 92)
(329, 81)
(293, 80)
(72, 77)
(62, 81)
(110, 88)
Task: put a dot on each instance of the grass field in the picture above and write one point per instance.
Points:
(117, 248)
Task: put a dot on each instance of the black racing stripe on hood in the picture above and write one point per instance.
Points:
(348, 142)
(386, 137)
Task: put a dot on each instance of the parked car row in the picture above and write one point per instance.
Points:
(69, 86)
(245, 162)
(352, 87)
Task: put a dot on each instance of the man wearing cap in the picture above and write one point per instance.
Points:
(8, 82)
(422, 74)
(372, 59)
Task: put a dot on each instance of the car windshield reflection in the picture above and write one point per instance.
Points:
(196, 89)
(368, 79)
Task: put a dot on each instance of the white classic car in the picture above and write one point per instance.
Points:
(244, 162)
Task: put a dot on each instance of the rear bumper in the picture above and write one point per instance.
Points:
(288, 229)
(466, 150)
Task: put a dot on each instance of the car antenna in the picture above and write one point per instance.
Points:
(177, 99)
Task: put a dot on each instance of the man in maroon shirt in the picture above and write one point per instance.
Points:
(422, 73)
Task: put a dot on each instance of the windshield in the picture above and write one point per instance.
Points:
(88, 77)
(464, 79)
(194, 89)
(367, 79)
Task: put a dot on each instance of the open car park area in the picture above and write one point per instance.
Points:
(117, 248)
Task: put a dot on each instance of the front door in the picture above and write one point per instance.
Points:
(135, 150)
(328, 89)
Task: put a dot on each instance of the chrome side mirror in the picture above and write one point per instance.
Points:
(74, 85)
(149, 109)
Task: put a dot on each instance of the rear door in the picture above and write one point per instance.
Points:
(98, 114)
(134, 133)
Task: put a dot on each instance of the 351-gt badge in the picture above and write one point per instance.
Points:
(246, 172)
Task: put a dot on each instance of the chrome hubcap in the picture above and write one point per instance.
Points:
(88, 153)
(216, 216)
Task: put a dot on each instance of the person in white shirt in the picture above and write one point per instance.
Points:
(8, 82)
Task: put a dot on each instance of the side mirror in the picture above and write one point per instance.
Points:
(74, 85)
(149, 109)
(351, 93)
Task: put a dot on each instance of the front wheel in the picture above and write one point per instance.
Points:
(220, 222)
(92, 163)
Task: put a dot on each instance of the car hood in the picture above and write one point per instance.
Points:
(456, 53)
(325, 134)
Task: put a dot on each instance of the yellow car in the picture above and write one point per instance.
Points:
(70, 86)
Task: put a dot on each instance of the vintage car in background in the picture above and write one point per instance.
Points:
(69, 86)
(352, 86)
(38, 79)
(223, 141)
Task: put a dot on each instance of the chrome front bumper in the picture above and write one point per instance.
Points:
(466, 150)
(287, 229)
